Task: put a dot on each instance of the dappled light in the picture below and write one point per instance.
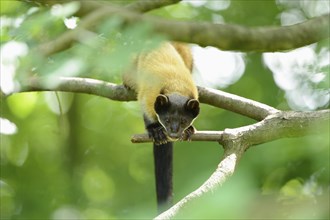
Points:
(67, 212)
(213, 5)
(216, 68)
(10, 54)
(62, 11)
(301, 73)
(303, 9)
(71, 23)
(7, 127)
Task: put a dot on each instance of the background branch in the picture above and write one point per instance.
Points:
(236, 37)
(223, 36)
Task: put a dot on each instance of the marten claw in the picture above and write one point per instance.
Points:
(188, 133)
(157, 133)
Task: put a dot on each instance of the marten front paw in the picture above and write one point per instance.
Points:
(157, 133)
(188, 133)
(127, 86)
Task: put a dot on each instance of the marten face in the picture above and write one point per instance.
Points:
(176, 113)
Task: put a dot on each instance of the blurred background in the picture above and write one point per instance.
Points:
(69, 156)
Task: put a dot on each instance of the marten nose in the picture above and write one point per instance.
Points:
(174, 128)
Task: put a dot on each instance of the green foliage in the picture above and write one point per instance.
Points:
(79, 162)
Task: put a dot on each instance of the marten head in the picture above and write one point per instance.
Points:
(176, 113)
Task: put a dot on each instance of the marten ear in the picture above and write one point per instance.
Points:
(192, 106)
(161, 103)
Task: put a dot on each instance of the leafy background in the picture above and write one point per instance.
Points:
(70, 155)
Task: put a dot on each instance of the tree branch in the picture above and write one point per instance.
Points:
(79, 85)
(280, 124)
(236, 37)
(217, 98)
(223, 36)
(198, 136)
(237, 104)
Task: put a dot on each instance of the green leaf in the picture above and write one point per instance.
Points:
(291, 190)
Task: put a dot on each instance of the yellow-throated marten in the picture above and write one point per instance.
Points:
(169, 100)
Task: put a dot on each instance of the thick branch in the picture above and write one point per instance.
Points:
(240, 38)
(112, 91)
(79, 85)
(240, 105)
(281, 124)
(285, 124)
(223, 36)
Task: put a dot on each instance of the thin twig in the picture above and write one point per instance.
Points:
(198, 136)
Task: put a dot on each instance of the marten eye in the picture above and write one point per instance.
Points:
(183, 121)
(167, 120)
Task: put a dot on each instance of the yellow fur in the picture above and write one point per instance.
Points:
(166, 69)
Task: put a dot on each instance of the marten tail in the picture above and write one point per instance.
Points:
(163, 156)
(185, 53)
